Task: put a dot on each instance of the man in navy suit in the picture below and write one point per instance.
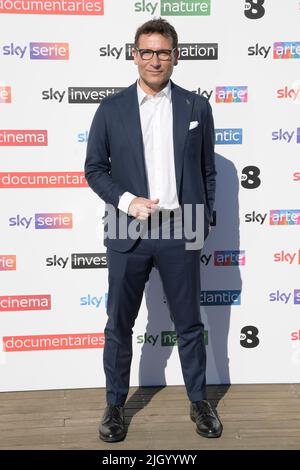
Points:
(151, 153)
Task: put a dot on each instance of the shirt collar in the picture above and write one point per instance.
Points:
(142, 96)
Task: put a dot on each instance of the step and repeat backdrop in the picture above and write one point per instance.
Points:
(58, 60)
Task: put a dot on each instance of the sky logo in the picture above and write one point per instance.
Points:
(230, 94)
(284, 217)
(82, 137)
(285, 297)
(38, 50)
(220, 297)
(286, 50)
(229, 258)
(94, 301)
(286, 136)
(229, 136)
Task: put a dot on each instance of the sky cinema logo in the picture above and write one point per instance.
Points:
(24, 138)
(59, 7)
(174, 7)
(13, 303)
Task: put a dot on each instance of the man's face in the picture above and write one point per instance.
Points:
(154, 72)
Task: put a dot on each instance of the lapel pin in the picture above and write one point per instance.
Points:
(188, 101)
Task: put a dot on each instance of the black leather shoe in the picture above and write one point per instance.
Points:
(112, 426)
(206, 419)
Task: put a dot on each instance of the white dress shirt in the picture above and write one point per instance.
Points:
(157, 129)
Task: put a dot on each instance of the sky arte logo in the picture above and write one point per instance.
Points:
(231, 94)
(230, 258)
(284, 217)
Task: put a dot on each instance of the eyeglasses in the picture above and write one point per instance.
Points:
(162, 54)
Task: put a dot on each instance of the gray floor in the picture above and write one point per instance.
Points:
(254, 417)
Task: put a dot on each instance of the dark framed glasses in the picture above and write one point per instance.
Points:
(162, 54)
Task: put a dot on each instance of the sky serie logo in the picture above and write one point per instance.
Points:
(43, 221)
(38, 50)
(8, 262)
(5, 94)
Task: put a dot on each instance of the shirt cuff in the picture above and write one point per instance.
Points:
(125, 201)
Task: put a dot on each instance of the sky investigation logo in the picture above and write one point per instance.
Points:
(187, 51)
(174, 7)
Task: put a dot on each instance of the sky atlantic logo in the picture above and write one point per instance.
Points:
(25, 138)
(220, 297)
(5, 94)
(12, 303)
(231, 94)
(78, 261)
(229, 136)
(59, 7)
(63, 179)
(80, 95)
(43, 221)
(284, 217)
(174, 7)
(8, 262)
(286, 136)
(38, 50)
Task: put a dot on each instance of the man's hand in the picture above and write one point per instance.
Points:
(141, 207)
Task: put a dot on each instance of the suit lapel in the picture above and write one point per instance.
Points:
(182, 109)
(130, 115)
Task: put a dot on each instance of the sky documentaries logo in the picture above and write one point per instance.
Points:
(12, 303)
(231, 94)
(5, 94)
(174, 7)
(38, 50)
(8, 262)
(60, 7)
(64, 179)
(53, 342)
(24, 138)
(43, 221)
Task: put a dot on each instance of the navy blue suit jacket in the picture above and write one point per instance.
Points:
(115, 156)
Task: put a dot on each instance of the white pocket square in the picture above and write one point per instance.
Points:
(193, 124)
